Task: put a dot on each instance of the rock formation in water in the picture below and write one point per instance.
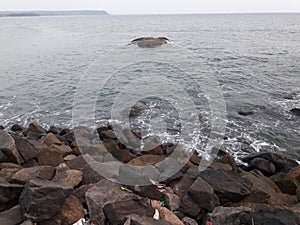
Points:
(150, 42)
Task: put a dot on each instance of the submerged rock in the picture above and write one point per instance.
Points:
(150, 42)
(295, 111)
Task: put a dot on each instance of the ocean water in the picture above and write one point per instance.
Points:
(214, 67)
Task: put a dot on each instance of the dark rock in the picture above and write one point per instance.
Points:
(69, 136)
(150, 42)
(9, 192)
(263, 165)
(189, 221)
(148, 191)
(146, 160)
(71, 210)
(245, 112)
(195, 159)
(286, 185)
(8, 152)
(89, 175)
(172, 201)
(12, 216)
(137, 220)
(25, 149)
(298, 194)
(2, 127)
(181, 186)
(41, 200)
(36, 128)
(228, 160)
(68, 177)
(54, 130)
(270, 216)
(281, 163)
(26, 174)
(189, 207)
(17, 128)
(49, 157)
(121, 155)
(80, 192)
(295, 111)
(228, 185)
(107, 134)
(117, 211)
(7, 173)
(105, 192)
(54, 220)
(229, 215)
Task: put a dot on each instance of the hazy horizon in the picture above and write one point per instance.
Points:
(131, 7)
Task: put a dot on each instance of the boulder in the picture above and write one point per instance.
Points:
(295, 111)
(280, 199)
(17, 128)
(298, 194)
(7, 173)
(49, 157)
(89, 175)
(229, 215)
(25, 149)
(286, 185)
(26, 174)
(36, 128)
(51, 139)
(137, 220)
(263, 165)
(105, 192)
(189, 207)
(166, 214)
(41, 199)
(282, 164)
(63, 149)
(148, 191)
(8, 151)
(80, 192)
(56, 219)
(9, 192)
(227, 160)
(146, 160)
(228, 185)
(181, 186)
(172, 201)
(68, 177)
(189, 221)
(71, 210)
(294, 175)
(107, 134)
(270, 216)
(12, 216)
(117, 211)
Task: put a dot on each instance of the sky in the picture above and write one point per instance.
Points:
(156, 6)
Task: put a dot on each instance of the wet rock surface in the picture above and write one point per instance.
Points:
(47, 176)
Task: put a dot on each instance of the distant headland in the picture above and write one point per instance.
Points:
(53, 13)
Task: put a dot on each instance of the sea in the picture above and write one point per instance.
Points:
(229, 77)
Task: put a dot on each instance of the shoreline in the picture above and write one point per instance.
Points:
(34, 159)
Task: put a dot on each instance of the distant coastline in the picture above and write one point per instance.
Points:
(53, 13)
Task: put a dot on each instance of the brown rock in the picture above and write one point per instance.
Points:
(105, 192)
(222, 166)
(26, 174)
(49, 157)
(294, 174)
(137, 220)
(146, 160)
(80, 192)
(25, 149)
(10, 166)
(280, 199)
(63, 149)
(195, 159)
(69, 157)
(68, 177)
(181, 186)
(172, 201)
(107, 134)
(7, 173)
(36, 128)
(285, 184)
(71, 210)
(51, 139)
(117, 211)
(166, 214)
(227, 159)
(121, 155)
(8, 151)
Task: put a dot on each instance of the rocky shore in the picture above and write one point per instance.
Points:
(45, 179)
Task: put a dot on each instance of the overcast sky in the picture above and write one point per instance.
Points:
(156, 6)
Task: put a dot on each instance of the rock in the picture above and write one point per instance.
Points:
(8, 152)
(263, 165)
(107, 134)
(229, 215)
(49, 157)
(51, 139)
(227, 160)
(172, 201)
(137, 220)
(36, 128)
(63, 149)
(12, 216)
(54, 130)
(7, 165)
(152, 146)
(298, 194)
(295, 111)
(117, 211)
(89, 175)
(69, 157)
(166, 214)
(261, 191)
(228, 185)
(280, 199)
(270, 216)
(121, 155)
(54, 220)
(26, 174)
(17, 128)
(195, 159)
(105, 192)
(71, 210)
(7, 173)
(189, 207)
(150, 42)
(9, 192)
(245, 112)
(286, 185)
(148, 191)
(27, 222)
(218, 166)
(41, 200)
(80, 192)
(25, 149)
(281, 163)
(181, 186)
(294, 175)
(68, 177)
(146, 160)
(189, 221)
